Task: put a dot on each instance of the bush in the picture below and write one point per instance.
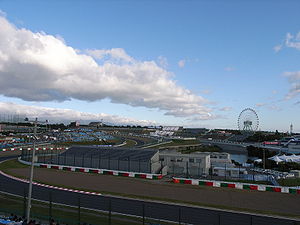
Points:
(259, 152)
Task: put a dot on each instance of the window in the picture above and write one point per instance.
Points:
(191, 160)
(198, 160)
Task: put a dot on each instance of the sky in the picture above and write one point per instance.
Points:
(186, 63)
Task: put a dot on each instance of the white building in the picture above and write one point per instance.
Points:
(228, 171)
(195, 164)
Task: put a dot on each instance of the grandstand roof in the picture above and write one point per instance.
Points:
(113, 152)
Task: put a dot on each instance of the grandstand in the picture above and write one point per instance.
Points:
(166, 131)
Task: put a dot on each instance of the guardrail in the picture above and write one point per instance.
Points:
(237, 185)
(95, 170)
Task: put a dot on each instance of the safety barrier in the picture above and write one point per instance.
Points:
(97, 171)
(37, 149)
(103, 171)
(237, 185)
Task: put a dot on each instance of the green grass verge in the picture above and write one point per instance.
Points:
(9, 164)
(289, 182)
(129, 143)
(70, 143)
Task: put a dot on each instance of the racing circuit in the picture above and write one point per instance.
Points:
(178, 213)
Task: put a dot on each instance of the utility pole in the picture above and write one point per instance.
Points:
(31, 168)
(31, 173)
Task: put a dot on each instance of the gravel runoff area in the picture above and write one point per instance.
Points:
(279, 203)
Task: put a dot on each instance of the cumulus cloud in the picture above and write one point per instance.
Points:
(293, 41)
(114, 54)
(181, 63)
(162, 61)
(42, 67)
(294, 80)
(290, 41)
(226, 108)
(55, 115)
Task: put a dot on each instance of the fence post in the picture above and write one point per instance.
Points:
(65, 159)
(109, 211)
(219, 219)
(99, 160)
(83, 160)
(143, 213)
(74, 164)
(139, 165)
(179, 216)
(128, 164)
(91, 163)
(79, 211)
(50, 205)
(24, 202)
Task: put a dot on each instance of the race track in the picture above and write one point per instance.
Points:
(158, 210)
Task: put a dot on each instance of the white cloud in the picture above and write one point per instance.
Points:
(114, 54)
(55, 115)
(181, 63)
(277, 48)
(226, 108)
(274, 108)
(260, 104)
(293, 41)
(2, 14)
(229, 69)
(162, 61)
(206, 91)
(294, 80)
(41, 67)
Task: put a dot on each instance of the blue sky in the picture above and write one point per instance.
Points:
(223, 51)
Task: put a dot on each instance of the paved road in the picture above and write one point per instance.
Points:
(171, 212)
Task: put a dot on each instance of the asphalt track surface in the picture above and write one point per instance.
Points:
(157, 210)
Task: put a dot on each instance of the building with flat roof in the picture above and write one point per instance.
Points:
(195, 164)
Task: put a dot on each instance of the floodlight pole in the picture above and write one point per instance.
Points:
(31, 174)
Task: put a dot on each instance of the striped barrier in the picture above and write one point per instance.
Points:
(237, 185)
(100, 171)
(95, 170)
(29, 149)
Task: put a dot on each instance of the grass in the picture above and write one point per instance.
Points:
(69, 143)
(129, 143)
(63, 214)
(15, 164)
(289, 182)
(180, 142)
(9, 164)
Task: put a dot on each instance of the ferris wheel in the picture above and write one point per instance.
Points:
(248, 120)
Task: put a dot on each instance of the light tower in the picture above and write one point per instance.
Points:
(291, 129)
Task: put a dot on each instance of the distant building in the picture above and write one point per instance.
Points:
(96, 124)
(74, 124)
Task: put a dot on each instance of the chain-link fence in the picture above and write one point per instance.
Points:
(96, 160)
